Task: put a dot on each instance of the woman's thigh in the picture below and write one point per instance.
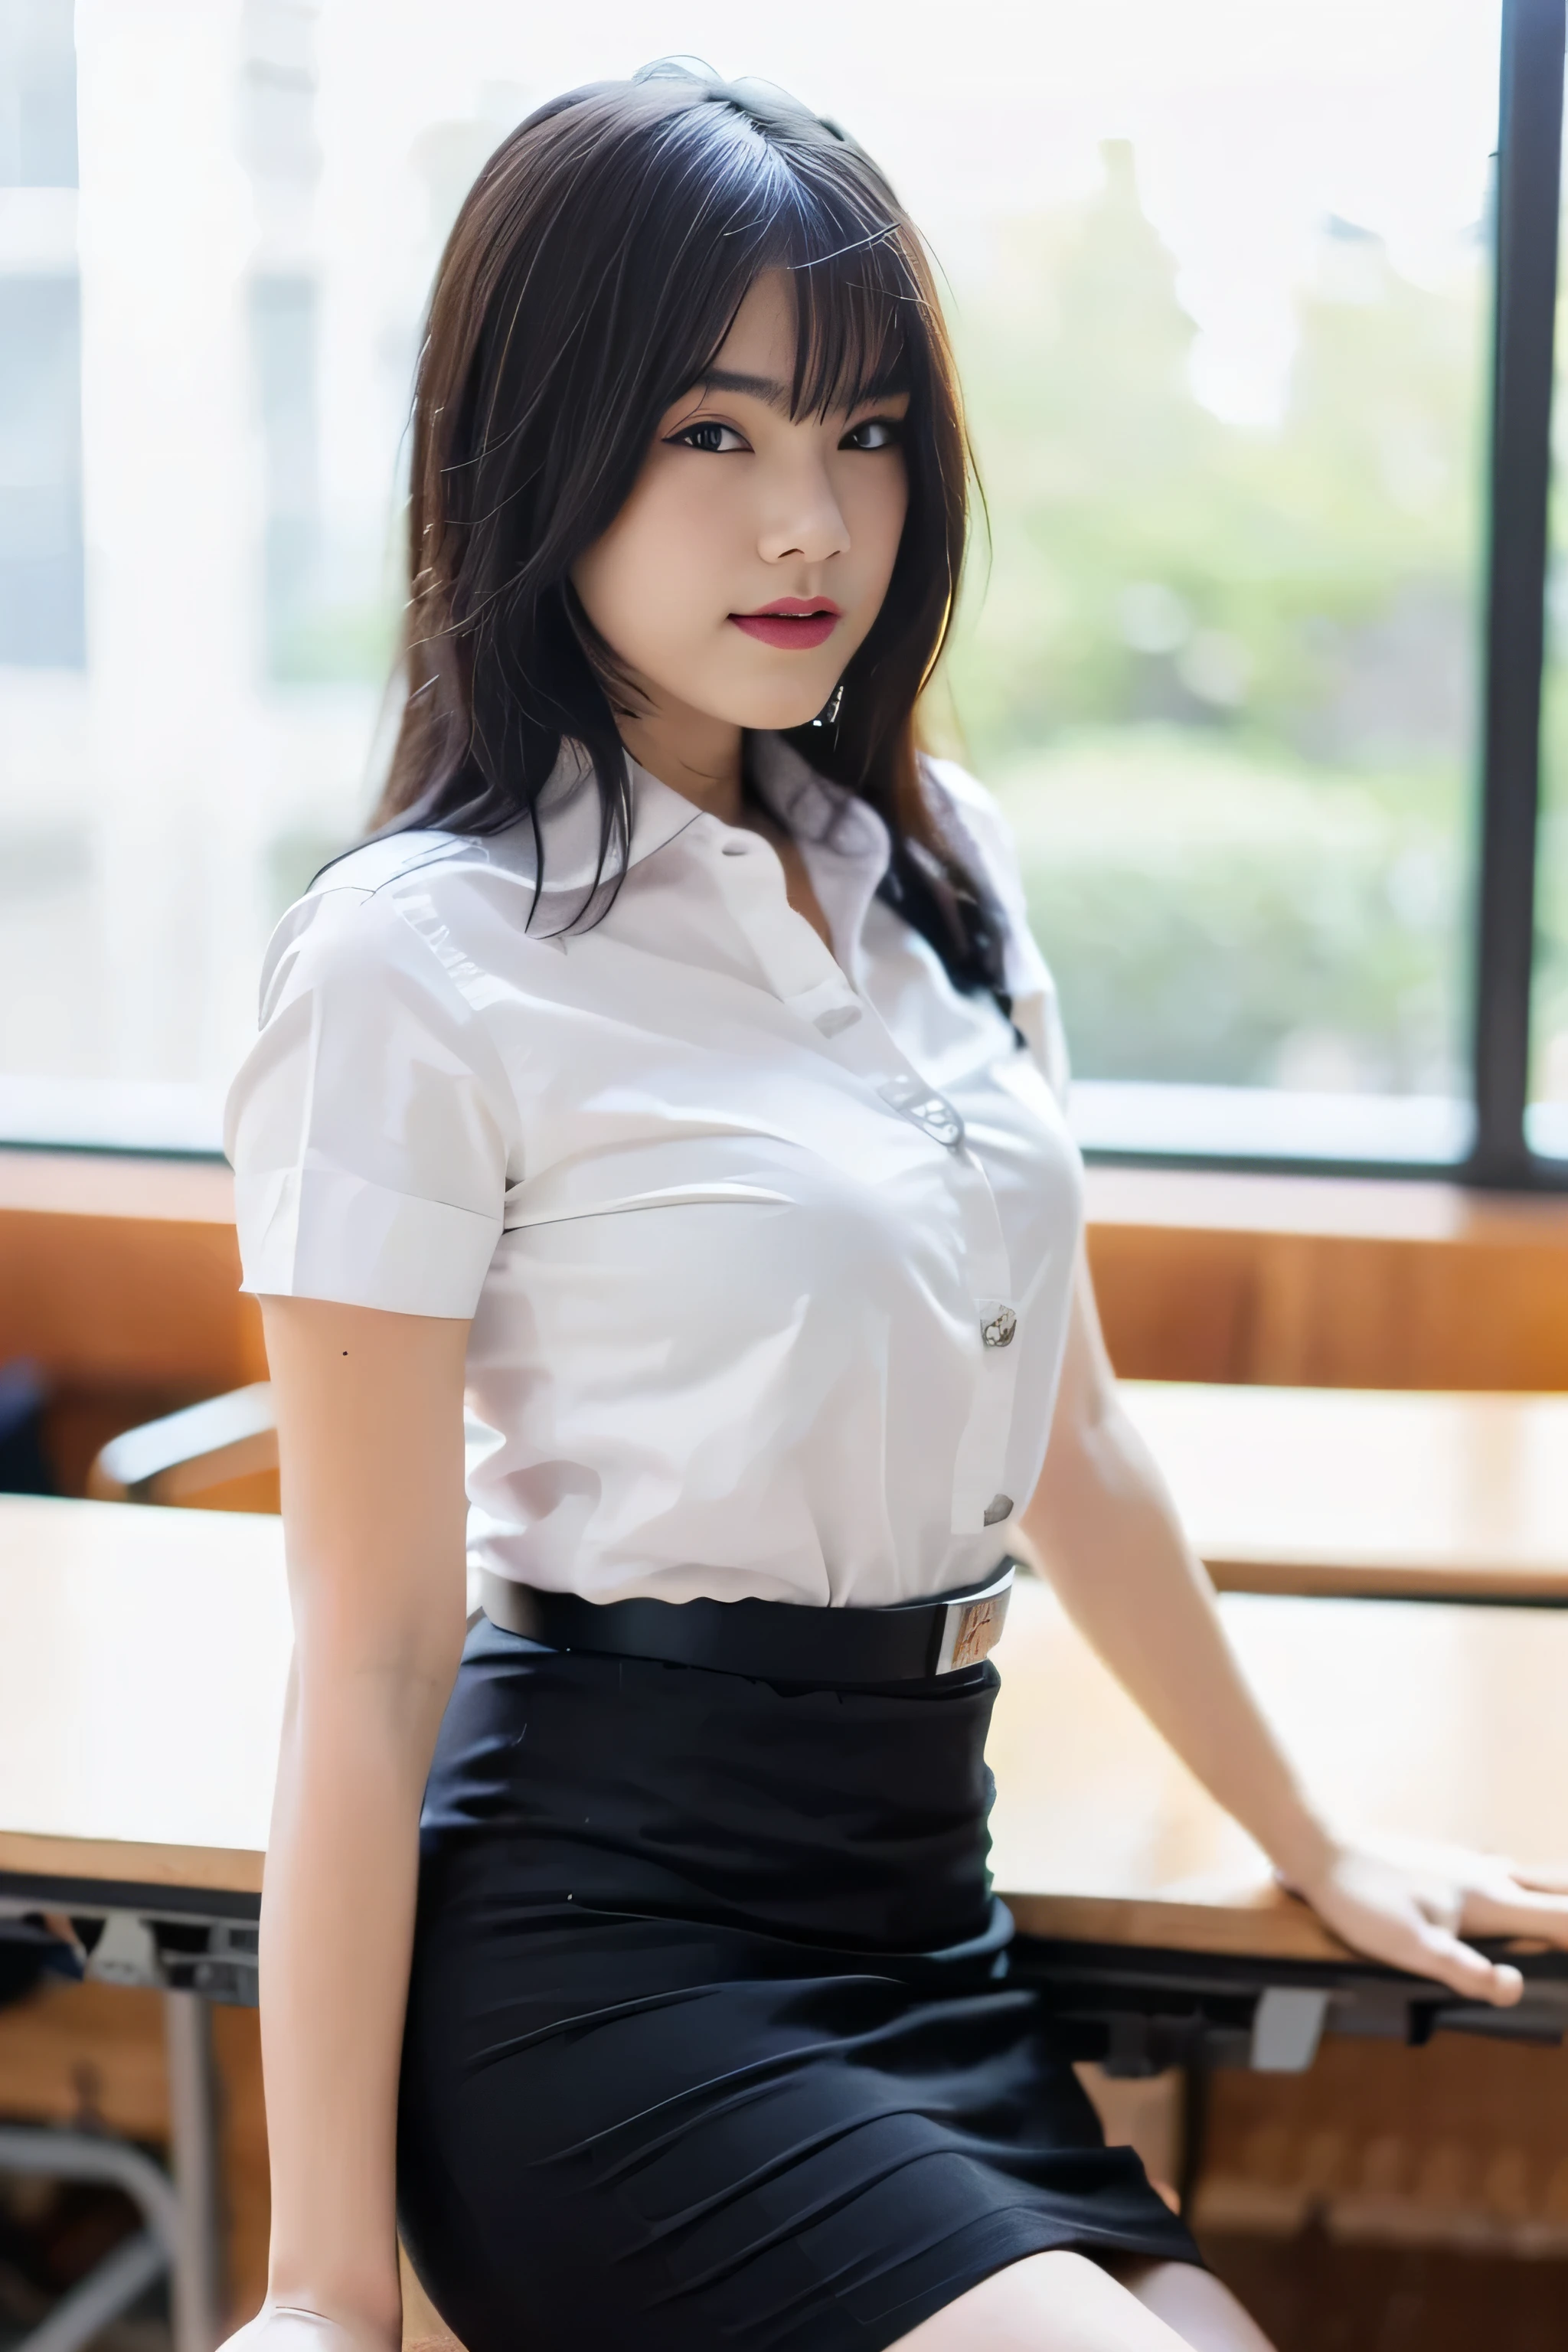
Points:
(1065, 2303)
(1203, 2312)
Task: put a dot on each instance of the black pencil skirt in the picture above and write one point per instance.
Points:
(712, 2041)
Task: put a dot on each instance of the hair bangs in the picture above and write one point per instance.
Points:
(859, 307)
(772, 202)
(856, 311)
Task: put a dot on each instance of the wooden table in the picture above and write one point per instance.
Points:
(141, 1682)
(1421, 1720)
(142, 1658)
(1160, 1925)
(142, 1677)
(1367, 1491)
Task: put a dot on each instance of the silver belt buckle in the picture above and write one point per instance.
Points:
(972, 1627)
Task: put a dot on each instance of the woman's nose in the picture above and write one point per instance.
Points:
(804, 520)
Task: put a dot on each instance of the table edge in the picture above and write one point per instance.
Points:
(193, 1869)
(1316, 1577)
(1274, 1929)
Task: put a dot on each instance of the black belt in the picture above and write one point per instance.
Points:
(770, 1641)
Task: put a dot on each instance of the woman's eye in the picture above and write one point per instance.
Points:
(875, 433)
(715, 440)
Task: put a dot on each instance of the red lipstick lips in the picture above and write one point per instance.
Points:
(796, 623)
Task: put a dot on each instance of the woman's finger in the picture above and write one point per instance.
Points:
(1465, 1971)
(1517, 1910)
(1542, 1878)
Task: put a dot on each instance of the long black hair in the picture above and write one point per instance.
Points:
(596, 268)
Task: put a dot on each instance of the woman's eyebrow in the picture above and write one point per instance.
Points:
(753, 387)
(780, 396)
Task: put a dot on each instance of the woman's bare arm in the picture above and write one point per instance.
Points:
(1103, 1523)
(370, 1418)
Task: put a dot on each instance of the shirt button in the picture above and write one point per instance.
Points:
(930, 1112)
(997, 1329)
(940, 1120)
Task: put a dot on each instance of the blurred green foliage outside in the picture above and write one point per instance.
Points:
(1222, 675)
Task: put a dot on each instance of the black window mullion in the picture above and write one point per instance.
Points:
(1530, 143)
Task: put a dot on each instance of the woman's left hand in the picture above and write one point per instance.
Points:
(1411, 1906)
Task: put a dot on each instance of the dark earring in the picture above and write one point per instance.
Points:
(829, 715)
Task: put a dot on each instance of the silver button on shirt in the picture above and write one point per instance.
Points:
(928, 1110)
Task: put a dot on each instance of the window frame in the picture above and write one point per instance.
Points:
(1529, 182)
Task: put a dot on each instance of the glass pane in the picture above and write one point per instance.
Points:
(1218, 282)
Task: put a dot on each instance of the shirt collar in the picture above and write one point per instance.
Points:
(569, 823)
(845, 843)
(841, 837)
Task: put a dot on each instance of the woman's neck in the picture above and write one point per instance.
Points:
(697, 756)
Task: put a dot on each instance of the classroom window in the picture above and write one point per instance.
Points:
(1222, 283)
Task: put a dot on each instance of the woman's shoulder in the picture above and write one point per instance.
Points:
(349, 919)
(388, 860)
(371, 1123)
(987, 831)
(403, 900)
(978, 812)
(981, 824)
(398, 869)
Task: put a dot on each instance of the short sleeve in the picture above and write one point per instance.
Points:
(370, 1126)
(1028, 980)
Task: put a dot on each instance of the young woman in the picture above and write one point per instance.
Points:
(674, 1075)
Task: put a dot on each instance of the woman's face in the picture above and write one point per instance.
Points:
(755, 549)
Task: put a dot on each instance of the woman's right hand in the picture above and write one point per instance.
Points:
(288, 2327)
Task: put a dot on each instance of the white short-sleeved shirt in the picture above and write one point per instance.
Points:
(768, 1249)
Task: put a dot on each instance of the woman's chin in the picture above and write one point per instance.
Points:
(775, 709)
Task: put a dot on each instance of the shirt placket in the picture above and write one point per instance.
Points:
(978, 1501)
(802, 973)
